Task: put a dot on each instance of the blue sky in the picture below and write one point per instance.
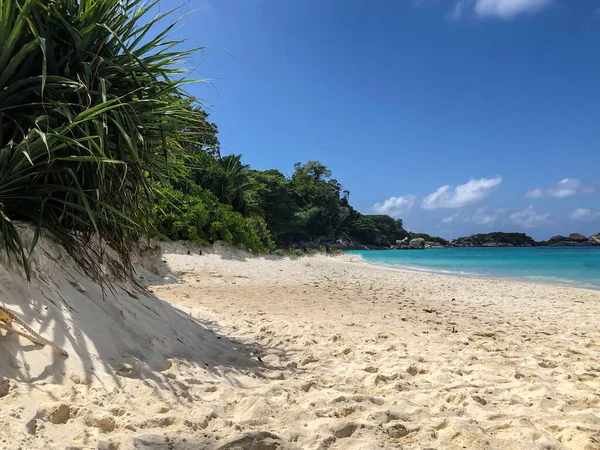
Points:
(458, 116)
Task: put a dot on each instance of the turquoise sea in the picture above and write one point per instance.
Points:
(575, 266)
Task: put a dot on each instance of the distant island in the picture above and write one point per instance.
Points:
(522, 240)
(421, 241)
(499, 239)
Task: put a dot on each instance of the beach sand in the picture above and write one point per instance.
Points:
(231, 351)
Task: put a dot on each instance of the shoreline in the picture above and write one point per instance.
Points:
(233, 350)
(475, 276)
(413, 266)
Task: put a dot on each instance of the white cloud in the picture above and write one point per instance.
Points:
(584, 214)
(503, 9)
(450, 219)
(465, 194)
(529, 217)
(507, 9)
(395, 206)
(483, 217)
(566, 187)
(535, 193)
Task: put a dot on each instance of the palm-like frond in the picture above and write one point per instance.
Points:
(90, 108)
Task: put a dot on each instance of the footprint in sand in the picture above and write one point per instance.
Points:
(258, 440)
(309, 360)
(415, 370)
(345, 430)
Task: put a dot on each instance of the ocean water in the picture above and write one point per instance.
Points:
(574, 266)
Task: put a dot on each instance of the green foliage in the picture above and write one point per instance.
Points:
(227, 178)
(278, 252)
(274, 195)
(205, 132)
(361, 227)
(391, 229)
(181, 216)
(312, 204)
(200, 216)
(321, 209)
(91, 110)
(311, 251)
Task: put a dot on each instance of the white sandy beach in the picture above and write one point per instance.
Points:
(239, 352)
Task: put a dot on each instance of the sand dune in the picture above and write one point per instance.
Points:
(238, 352)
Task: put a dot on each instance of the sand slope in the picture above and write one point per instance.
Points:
(315, 353)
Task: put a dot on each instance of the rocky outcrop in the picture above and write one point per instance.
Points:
(574, 240)
(432, 244)
(417, 244)
(494, 240)
(522, 240)
(402, 244)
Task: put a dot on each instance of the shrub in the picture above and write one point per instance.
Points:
(200, 216)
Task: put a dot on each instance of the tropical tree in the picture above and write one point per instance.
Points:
(236, 184)
(322, 207)
(91, 106)
(274, 194)
(228, 178)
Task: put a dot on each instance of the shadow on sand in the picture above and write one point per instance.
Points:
(121, 331)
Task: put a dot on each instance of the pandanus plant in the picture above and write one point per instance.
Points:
(92, 109)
